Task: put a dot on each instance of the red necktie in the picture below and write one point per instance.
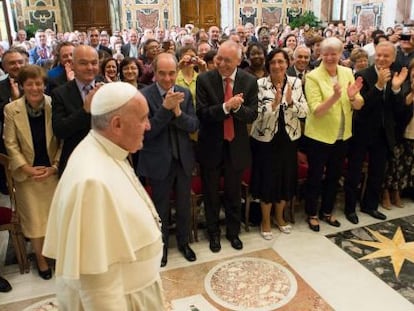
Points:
(228, 122)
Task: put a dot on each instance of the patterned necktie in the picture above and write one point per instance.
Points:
(86, 89)
(228, 122)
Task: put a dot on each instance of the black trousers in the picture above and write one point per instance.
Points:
(232, 196)
(180, 183)
(326, 162)
(377, 153)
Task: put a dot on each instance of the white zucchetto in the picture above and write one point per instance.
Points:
(112, 96)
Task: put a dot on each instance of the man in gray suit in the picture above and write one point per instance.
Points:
(167, 158)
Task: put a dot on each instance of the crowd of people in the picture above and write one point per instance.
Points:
(77, 130)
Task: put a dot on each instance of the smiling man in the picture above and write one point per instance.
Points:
(71, 102)
(167, 158)
(226, 102)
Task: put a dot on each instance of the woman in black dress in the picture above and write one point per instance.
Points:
(274, 140)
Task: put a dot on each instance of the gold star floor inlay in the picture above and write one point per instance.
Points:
(396, 248)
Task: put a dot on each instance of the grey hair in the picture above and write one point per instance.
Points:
(387, 43)
(235, 45)
(332, 43)
(301, 47)
(102, 121)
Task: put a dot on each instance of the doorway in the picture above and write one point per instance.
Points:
(91, 13)
(200, 13)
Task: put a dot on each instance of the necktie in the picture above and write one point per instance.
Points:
(228, 122)
(300, 76)
(86, 89)
(172, 132)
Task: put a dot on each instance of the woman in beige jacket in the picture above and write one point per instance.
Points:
(34, 154)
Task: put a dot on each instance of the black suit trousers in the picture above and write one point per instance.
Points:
(232, 195)
(377, 152)
(179, 182)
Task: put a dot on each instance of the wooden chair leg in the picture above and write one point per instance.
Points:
(194, 219)
(20, 251)
(291, 210)
(248, 200)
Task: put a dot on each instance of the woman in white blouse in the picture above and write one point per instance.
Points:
(275, 135)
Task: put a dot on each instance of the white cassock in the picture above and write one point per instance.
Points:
(104, 233)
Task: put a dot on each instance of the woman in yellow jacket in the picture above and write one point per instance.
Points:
(332, 94)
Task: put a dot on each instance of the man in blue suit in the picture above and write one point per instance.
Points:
(167, 158)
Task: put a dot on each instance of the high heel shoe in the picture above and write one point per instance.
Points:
(46, 274)
(313, 227)
(267, 235)
(284, 229)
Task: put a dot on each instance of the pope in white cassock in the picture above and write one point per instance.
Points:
(103, 229)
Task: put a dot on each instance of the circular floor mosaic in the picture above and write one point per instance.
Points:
(250, 284)
(49, 304)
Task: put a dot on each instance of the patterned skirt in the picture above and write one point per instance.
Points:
(400, 170)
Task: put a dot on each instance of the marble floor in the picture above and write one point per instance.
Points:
(342, 282)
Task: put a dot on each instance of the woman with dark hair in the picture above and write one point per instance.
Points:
(150, 49)
(130, 70)
(109, 69)
(256, 54)
(187, 76)
(34, 157)
(275, 134)
(290, 41)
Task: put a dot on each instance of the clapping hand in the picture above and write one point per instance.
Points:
(399, 78)
(337, 91)
(355, 87)
(384, 75)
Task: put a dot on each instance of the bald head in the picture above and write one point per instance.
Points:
(85, 63)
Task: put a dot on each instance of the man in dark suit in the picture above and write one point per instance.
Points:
(71, 102)
(373, 133)
(13, 60)
(301, 59)
(167, 157)
(93, 37)
(131, 49)
(63, 72)
(226, 103)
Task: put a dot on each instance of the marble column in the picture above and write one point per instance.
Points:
(65, 16)
(115, 13)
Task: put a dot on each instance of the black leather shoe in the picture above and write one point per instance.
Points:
(187, 252)
(375, 214)
(328, 219)
(215, 245)
(4, 285)
(164, 258)
(45, 275)
(352, 217)
(315, 228)
(235, 242)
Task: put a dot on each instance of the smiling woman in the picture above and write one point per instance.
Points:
(34, 154)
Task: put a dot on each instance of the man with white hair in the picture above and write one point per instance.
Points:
(103, 229)
(226, 102)
(301, 59)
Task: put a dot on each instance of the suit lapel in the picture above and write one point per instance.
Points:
(22, 122)
(48, 120)
(219, 86)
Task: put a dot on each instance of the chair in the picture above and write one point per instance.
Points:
(246, 195)
(197, 198)
(302, 175)
(13, 225)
